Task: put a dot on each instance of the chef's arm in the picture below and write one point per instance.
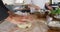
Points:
(34, 6)
(48, 6)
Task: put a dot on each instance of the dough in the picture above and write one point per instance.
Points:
(24, 25)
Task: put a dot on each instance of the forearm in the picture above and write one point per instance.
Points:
(31, 5)
(48, 6)
(34, 6)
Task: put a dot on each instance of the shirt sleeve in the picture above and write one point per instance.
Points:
(3, 11)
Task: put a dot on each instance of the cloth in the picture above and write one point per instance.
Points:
(3, 11)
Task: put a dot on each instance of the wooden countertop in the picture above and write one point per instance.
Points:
(49, 30)
(43, 27)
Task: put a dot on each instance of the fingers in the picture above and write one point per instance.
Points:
(20, 19)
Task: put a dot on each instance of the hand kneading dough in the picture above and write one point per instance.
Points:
(24, 25)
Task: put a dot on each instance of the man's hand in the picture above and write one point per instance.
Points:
(17, 19)
(34, 6)
(14, 18)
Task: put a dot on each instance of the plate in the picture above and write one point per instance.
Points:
(54, 24)
(57, 16)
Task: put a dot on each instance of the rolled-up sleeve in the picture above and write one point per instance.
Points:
(3, 11)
